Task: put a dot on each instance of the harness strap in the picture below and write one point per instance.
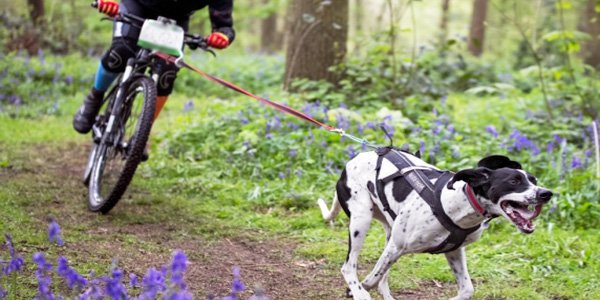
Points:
(457, 234)
(430, 193)
(380, 189)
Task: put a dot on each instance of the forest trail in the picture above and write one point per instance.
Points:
(137, 235)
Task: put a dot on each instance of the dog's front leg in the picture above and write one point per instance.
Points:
(458, 263)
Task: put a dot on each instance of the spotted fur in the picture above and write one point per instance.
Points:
(497, 181)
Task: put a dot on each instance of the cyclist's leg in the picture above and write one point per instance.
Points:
(111, 65)
(167, 75)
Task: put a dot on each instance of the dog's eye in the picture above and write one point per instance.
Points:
(514, 181)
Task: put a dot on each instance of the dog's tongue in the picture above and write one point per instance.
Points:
(527, 213)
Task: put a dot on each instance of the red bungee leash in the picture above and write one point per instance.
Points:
(240, 90)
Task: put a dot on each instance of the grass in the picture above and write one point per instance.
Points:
(200, 198)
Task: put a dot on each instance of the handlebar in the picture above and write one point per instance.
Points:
(191, 40)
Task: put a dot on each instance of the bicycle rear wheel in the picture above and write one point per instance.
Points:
(120, 151)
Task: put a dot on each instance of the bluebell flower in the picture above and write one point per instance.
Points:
(350, 151)
(370, 125)
(73, 279)
(54, 233)
(492, 130)
(152, 283)
(3, 294)
(183, 295)
(114, 288)
(521, 142)
(95, 290)
(178, 267)
(281, 175)
(188, 106)
(361, 129)
(43, 277)
(293, 153)
(550, 147)
(298, 173)
(422, 148)
(237, 285)
(16, 261)
(133, 280)
(576, 163)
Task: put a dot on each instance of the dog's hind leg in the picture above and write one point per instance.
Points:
(458, 263)
(383, 288)
(360, 221)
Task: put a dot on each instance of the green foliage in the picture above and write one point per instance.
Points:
(38, 85)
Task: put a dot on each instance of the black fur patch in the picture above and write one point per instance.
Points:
(343, 192)
(371, 188)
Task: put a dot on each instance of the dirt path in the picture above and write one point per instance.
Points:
(138, 240)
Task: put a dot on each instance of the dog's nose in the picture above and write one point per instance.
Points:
(544, 195)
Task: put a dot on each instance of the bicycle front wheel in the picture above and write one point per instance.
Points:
(120, 150)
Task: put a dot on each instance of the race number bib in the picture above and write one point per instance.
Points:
(157, 35)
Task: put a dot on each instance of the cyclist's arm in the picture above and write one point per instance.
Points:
(220, 17)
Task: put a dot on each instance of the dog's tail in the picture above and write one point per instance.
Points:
(329, 215)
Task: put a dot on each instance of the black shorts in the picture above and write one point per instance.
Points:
(124, 46)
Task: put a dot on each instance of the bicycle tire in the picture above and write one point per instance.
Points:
(103, 193)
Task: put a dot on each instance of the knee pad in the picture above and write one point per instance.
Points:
(166, 79)
(115, 59)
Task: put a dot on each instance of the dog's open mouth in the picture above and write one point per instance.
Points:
(521, 214)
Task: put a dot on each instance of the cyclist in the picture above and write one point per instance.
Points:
(124, 46)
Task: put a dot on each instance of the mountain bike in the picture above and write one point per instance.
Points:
(121, 130)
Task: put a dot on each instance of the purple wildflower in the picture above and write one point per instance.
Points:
(521, 142)
(133, 280)
(576, 163)
(298, 173)
(492, 130)
(54, 233)
(114, 288)
(16, 261)
(73, 279)
(188, 106)
(281, 175)
(3, 294)
(152, 284)
(422, 148)
(350, 151)
(237, 285)
(293, 153)
(178, 267)
(550, 147)
(43, 277)
(95, 290)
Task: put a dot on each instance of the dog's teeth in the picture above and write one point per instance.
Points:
(509, 210)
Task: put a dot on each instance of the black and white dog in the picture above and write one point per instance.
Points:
(497, 187)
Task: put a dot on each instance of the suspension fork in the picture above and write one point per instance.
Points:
(119, 98)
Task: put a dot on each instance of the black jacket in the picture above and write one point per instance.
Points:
(219, 10)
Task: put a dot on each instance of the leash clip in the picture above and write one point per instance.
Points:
(338, 130)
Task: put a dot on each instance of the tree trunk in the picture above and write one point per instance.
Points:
(36, 10)
(444, 22)
(591, 25)
(317, 33)
(477, 28)
(270, 36)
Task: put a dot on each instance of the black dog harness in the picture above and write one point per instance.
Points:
(419, 179)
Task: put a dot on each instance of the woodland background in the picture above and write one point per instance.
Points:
(455, 79)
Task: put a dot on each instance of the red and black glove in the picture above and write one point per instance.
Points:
(108, 7)
(217, 40)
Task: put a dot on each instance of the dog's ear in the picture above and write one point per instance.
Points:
(474, 177)
(498, 161)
